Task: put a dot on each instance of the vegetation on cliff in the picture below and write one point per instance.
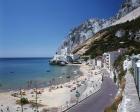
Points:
(109, 42)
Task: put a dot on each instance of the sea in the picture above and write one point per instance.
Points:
(16, 73)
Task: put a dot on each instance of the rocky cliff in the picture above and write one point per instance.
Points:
(126, 7)
(90, 27)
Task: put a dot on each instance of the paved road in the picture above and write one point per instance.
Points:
(101, 99)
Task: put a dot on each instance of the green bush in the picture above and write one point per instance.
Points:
(24, 101)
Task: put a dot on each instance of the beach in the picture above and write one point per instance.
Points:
(56, 97)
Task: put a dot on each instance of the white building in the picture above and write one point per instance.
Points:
(61, 55)
(96, 62)
(136, 67)
(64, 51)
(99, 62)
(65, 55)
(110, 57)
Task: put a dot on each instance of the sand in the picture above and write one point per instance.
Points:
(59, 97)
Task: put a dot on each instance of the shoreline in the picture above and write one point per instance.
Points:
(47, 86)
(62, 95)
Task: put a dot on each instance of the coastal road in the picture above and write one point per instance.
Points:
(98, 101)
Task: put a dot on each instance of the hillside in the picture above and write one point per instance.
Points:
(108, 40)
(78, 35)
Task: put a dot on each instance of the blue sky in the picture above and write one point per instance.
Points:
(35, 28)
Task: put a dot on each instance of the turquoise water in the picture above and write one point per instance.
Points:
(16, 72)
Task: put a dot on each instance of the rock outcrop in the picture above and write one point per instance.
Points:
(89, 28)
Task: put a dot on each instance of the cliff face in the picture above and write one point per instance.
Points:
(83, 32)
(89, 28)
(126, 7)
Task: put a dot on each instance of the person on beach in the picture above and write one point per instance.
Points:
(8, 109)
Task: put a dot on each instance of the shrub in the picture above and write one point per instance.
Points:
(24, 101)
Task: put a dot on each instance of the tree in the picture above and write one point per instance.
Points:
(24, 101)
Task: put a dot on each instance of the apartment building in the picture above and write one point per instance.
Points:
(110, 57)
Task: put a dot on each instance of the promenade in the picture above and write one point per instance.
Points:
(130, 102)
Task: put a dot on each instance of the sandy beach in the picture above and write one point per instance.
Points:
(57, 97)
